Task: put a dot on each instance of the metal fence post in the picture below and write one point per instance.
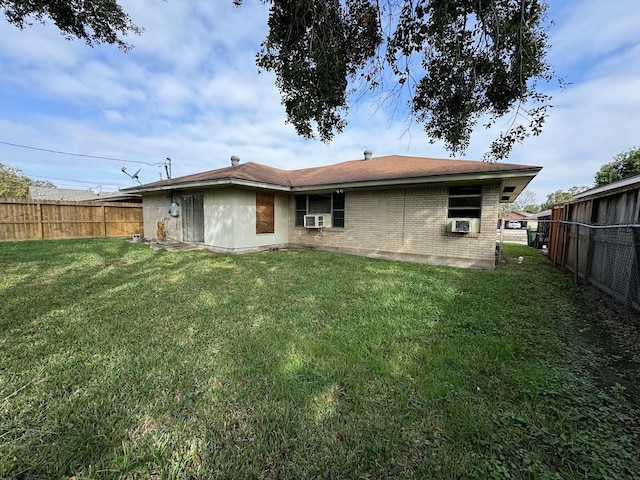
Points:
(591, 240)
(577, 264)
(565, 237)
(556, 227)
(501, 242)
(634, 290)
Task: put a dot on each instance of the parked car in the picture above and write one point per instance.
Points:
(513, 224)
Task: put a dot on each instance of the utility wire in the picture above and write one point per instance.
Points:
(79, 154)
(77, 181)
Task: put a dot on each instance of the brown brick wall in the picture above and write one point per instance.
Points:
(407, 223)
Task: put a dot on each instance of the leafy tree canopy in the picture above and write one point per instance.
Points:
(561, 196)
(624, 165)
(454, 63)
(13, 184)
(94, 21)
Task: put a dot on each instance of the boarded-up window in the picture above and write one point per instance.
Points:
(264, 212)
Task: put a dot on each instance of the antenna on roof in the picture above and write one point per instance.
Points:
(133, 177)
(167, 168)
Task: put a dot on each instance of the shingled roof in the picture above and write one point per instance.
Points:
(248, 172)
(378, 171)
(396, 167)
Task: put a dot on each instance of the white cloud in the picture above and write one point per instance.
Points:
(591, 29)
(190, 90)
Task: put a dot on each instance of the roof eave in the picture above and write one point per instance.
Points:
(224, 182)
(414, 181)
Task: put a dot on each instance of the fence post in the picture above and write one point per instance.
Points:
(590, 248)
(577, 264)
(501, 242)
(556, 228)
(565, 235)
(104, 222)
(40, 221)
(633, 292)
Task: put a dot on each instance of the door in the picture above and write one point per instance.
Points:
(193, 218)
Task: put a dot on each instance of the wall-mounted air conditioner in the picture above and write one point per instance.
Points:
(464, 225)
(322, 220)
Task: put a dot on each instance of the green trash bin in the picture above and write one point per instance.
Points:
(531, 237)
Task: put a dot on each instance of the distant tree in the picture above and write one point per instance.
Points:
(624, 165)
(561, 196)
(96, 21)
(13, 184)
(526, 203)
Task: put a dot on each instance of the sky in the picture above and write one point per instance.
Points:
(190, 90)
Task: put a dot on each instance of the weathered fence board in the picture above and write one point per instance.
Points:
(29, 219)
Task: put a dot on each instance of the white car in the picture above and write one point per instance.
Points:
(513, 224)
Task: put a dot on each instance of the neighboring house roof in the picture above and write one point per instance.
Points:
(517, 216)
(391, 170)
(70, 195)
(62, 194)
(623, 184)
(542, 214)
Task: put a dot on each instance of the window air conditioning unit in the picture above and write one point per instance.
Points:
(465, 225)
(317, 221)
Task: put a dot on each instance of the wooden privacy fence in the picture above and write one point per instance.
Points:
(31, 220)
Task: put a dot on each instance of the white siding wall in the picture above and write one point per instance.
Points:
(230, 220)
(219, 219)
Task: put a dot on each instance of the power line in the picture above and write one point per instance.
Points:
(78, 181)
(80, 154)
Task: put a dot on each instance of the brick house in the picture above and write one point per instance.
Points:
(438, 211)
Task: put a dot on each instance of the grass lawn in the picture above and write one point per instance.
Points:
(119, 361)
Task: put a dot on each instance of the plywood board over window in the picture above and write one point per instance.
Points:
(265, 212)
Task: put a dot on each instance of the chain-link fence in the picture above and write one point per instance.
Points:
(606, 256)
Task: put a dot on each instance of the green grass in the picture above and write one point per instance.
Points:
(119, 361)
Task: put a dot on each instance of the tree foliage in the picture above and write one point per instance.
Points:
(13, 184)
(561, 196)
(453, 62)
(94, 21)
(526, 202)
(624, 165)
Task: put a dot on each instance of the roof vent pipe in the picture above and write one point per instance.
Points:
(368, 154)
(235, 161)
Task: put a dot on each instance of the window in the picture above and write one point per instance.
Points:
(332, 203)
(338, 210)
(465, 202)
(265, 212)
(301, 209)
